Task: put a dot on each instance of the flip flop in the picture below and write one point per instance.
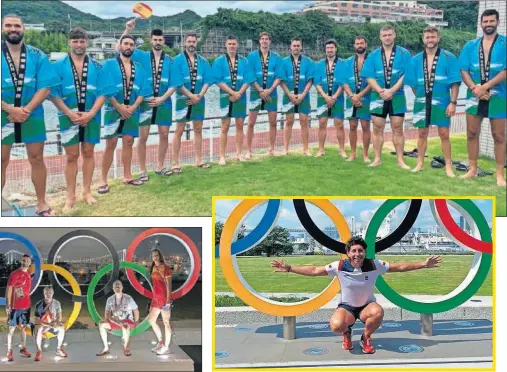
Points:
(144, 177)
(439, 159)
(436, 164)
(133, 182)
(45, 213)
(104, 189)
(127, 352)
(177, 170)
(164, 172)
(483, 173)
(204, 166)
(102, 353)
(462, 167)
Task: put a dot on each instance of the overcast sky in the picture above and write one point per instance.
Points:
(363, 210)
(112, 9)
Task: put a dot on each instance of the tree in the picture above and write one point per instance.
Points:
(303, 247)
(277, 243)
(219, 226)
(56, 26)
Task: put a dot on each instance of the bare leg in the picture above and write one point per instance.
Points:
(60, 336)
(252, 118)
(72, 155)
(144, 133)
(126, 336)
(365, 125)
(446, 150)
(163, 144)
(180, 127)
(152, 319)
(166, 317)
(23, 336)
(126, 156)
(398, 139)
(239, 122)
(322, 135)
(353, 124)
(371, 316)
(304, 121)
(223, 139)
(272, 131)
(198, 141)
(287, 133)
(35, 152)
(422, 145)
(88, 153)
(6, 154)
(103, 328)
(107, 159)
(9, 337)
(340, 136)
(341, 320)
(38, 338)
(379, 125)
(473, 132)
(498, 131)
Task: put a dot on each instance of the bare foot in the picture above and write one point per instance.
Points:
(240, 158)
(307, 153)
(352, 157)
(248, 156)
(404, 166)
(319, 154)
(449, 172)
(375, 163)
(271, 153)
(366, 160)
(418, 168)
(222, 161)
(343, 154)
(89, 199)
(471, 173)
(69, 204)
(500, 181)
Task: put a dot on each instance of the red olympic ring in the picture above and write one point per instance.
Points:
(457, 232)
(191, 248)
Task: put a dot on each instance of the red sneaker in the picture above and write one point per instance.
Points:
(347, 341)
(10, 357)
(61, 353)
(24, 352)
(366, 345)
(38, 356)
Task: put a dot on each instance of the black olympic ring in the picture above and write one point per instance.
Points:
(339, 247)
(60, 243)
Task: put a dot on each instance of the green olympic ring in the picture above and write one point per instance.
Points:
(471, 284)
(141, 327)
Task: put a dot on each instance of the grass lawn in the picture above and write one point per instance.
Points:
(190, 193)
(258, 273)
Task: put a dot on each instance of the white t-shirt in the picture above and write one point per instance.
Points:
(121, 307)
(356, 284)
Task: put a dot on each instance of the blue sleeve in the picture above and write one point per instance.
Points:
(368, 70)
(38, 309)
(411, 73)
(453, 70)
(46, 75)
(207, 75)
(179, 78)
(464, 58)
(281, 73)
(146, 89)
(406, 62)
(217, 72)
(251, 68)
(105, 83)
(342, 68)
(57, 90)
(249, 77)
(317, 74)
(311, 70)
(175, 80)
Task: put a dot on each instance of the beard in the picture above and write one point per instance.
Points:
(126, 52)
(360, 50)
(157, 47)
(490, 30)
(79, 51)
(14, 37)
(191, 49)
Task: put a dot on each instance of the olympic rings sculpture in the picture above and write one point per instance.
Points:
(480, 243)
(38, 268)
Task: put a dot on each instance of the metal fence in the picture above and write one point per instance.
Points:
(19, 172)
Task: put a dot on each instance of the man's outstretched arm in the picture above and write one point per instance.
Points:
(400, 267)
(284, 267)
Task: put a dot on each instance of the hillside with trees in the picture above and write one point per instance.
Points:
(461, 15)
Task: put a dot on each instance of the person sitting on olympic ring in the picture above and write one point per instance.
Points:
(357, 277)
(121, 313)
(18, 305)
(49, 311)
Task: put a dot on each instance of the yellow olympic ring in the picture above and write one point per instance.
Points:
(75, 288)
(246, 293)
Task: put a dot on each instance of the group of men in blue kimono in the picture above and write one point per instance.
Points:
(136, 88)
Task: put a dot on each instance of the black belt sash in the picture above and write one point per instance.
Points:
(192, 69)
(358, 81)
(485, 70)
(157, 76)
(18, 79)
(330, 80)
(265, 70)
(388, 68)
(233, 70)
(429, 80)
(127, 89)
(296, 69)
(80, 86)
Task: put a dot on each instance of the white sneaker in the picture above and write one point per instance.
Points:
(158, 347)
(163, 351)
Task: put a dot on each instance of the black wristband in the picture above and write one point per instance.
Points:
(454, 102)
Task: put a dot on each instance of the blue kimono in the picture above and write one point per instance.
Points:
(348, 76)
(221, 72)
(286, 74)
(266, 79)
(321, 80)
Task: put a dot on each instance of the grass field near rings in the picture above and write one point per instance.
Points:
(190, 193)
(260, 276)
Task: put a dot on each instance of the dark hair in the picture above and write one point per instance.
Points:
(77, 33)
(50, 286)
(490, 12)
(12, 15)
(190, 34)
(360, 37)
(160, 258)
(431, 30)
(27, 255)
(387, 28)
(296, 39)
(157, 32)
(264, 33)
(355, 240)
(127, 37)
(331, 41)
(231, 37)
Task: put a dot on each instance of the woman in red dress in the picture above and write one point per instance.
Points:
(161, 277)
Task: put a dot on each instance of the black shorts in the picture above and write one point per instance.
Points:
(353, 310)
(483, 108)
(387, 110)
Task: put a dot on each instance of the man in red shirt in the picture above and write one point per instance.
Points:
(18, 305)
